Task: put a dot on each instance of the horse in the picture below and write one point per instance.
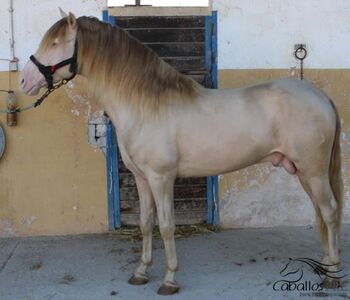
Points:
(170, 126)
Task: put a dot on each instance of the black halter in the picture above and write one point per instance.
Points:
(48, 71)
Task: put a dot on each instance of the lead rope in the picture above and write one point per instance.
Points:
(38, 101)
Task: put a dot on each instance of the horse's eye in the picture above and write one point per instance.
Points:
(54, 44)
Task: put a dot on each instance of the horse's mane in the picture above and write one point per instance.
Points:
(121, 67)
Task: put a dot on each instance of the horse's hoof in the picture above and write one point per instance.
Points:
(168, 288)
(330, 283)
(138, 280)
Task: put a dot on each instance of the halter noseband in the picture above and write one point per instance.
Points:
(48, 71)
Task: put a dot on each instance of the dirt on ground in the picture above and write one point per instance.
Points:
(133, 233)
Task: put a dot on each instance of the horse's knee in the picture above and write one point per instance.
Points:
(147, 222)
(167, 231)
(146, 226)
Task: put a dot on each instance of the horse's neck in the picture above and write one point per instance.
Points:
(124, 120)
(132, 75)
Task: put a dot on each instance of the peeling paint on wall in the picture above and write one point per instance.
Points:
(84, 106)
(28, 221)
(263, 196)
(7, 229)
(81, 98)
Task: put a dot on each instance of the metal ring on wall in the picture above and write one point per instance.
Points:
(301, 52)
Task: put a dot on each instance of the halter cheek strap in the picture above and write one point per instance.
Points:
(48, 71)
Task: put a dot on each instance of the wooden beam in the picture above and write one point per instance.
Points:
(158, 11)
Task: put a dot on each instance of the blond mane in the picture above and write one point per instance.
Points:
(121, 67)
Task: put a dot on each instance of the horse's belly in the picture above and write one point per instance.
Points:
(223, 146)
(224, 164)
(204, 161)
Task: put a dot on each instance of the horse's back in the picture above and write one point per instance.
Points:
(293, 103)
(298, 90)
(308, 93)
(309, 100)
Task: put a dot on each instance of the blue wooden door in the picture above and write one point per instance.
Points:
(210, 80)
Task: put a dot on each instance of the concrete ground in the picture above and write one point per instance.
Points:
(231, 264)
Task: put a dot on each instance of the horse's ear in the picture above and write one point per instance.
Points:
(63, 14)
(72, 21)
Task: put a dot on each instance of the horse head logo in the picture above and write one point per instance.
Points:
(295, 266)
(322, 270)
(293, 270)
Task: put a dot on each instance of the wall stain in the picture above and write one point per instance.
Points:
(7, 229)
(28, 221)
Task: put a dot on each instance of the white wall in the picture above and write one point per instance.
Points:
(260, 34)
(32, 19)
(253, 34)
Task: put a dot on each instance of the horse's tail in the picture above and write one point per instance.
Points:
(335, 178)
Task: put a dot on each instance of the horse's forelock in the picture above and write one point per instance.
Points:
(57, 30)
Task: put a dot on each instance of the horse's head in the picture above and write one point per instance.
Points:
(53, 60)
(290, 268)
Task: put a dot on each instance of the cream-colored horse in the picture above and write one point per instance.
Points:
(169, 126)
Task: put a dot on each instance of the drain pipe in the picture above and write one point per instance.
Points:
(14, 59)
(12, 40)
(11, 100)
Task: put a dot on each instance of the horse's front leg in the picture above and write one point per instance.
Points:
(162, 186)
(146, 224)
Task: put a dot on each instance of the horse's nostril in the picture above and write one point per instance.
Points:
(22, 81)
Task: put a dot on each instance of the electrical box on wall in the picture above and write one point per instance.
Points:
(97, 131)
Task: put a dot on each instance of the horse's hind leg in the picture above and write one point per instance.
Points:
(162, 186)
(319, 220)
(147, 210)
(320, 191)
